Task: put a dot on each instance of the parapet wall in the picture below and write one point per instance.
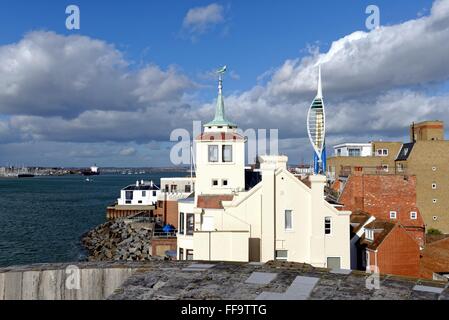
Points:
(63, 281)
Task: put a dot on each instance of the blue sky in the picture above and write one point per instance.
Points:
(257, 35)
(271, 38)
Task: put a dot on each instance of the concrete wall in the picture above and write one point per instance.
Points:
(221, 246)
(39, 284)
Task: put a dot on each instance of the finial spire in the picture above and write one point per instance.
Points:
(220, 118)
(320, 88)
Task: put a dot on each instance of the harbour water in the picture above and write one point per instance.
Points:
(43, 218)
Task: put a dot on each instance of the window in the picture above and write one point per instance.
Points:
(181, 223)
(413, 215)
(181, 254)
(385, 167)
(434, 200)
(354, 152)
(129, 195)
(190, 224)
(213, 153)
(400, 167)
(369, 234)
(227, 153)
(288, 220)
(327, 225)
(393, 215)
(188, 188)
(189, 255)
(173, 188)
(140, 201)
(434, 186)
(154, 193)
(281, 255)
(144, 193)
(338, 152)
(224, 183)
(166, 188)
(214, 183)
(382, 152)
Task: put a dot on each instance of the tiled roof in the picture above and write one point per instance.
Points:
(435, 258)
(213, 201)
(385, 226)
(358, 219)
(219, 136)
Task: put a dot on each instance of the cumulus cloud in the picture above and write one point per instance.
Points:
(375, 84)
(126, 152)
(202, 19)
(46, 74)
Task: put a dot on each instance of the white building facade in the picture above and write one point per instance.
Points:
(353, 150)
(280, 218)
(143, 193)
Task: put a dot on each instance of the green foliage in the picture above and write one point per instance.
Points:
(434, 232)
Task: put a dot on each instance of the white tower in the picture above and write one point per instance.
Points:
(220, 153)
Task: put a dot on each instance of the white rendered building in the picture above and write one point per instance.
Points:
(143, 193)
(353, 150)
(279, 217)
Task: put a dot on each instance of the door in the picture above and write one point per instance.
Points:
(334, 263)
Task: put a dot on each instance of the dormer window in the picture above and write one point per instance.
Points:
(369, 234)
(393, 215)
(413, 215)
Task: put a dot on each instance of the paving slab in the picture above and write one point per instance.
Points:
(428, 289)
(198, 267)
(261, 278)
(341, 271)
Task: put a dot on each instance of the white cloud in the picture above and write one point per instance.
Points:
(126, 152)
(202, 19)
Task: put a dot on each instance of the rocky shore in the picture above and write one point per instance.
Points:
(119, 240)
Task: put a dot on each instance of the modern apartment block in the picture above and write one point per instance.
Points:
(426, 156)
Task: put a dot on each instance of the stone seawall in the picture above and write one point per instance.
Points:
(63, 281)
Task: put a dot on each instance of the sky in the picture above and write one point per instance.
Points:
(112, 92)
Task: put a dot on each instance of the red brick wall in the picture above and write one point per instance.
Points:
(399, 254)
(168, 212)
(380, 194)
(160, 245)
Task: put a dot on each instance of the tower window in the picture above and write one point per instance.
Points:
(393, 215)
(227, 153)
(213, 153)
(434, 185)
(214, 183)
(225, 183)
(413, 215)
(327, 225)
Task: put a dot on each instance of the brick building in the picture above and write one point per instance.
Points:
(426, 156)
(389, 249)
(386, 197)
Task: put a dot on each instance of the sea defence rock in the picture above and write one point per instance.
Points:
(119, 240)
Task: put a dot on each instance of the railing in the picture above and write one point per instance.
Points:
(379, 170)
(159, 233)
